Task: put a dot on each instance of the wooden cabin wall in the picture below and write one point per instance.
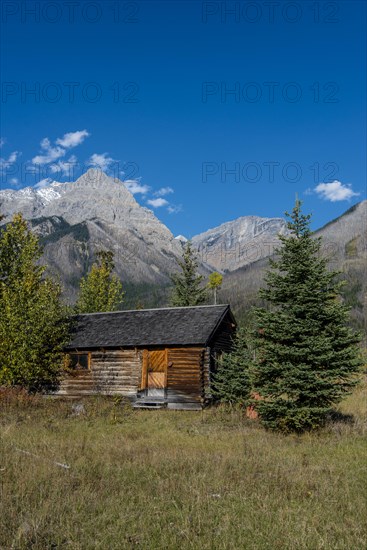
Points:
(116, 372)
(222, 340)
(207, 374)
(185, 375)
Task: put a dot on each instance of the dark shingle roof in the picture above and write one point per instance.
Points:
(147, 327)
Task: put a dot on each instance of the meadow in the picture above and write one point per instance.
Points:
(105, 476)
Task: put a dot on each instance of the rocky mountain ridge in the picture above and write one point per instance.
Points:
(240, 242)
(75, 219)
(344, 243)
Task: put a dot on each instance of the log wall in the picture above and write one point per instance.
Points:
(116, 372)
(207, 374)
(119, 372)
(223, 337)
(185, 375)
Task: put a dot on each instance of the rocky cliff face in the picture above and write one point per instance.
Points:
(346, 236)
(240, 242)
(75, 219)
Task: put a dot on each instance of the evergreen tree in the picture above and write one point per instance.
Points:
(33, 322)
(188, 289)
(100, 290)
(307, 357)
(231, 382)
(215, 282)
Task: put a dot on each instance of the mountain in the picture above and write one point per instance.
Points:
(181, 238)
(240, 242)
(344, 242)
(75, 219)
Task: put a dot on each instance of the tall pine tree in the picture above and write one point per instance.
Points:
(100, 290)
(307, 357)
(188, 289)
(33, 321)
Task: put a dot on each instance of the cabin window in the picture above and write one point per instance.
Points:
(79, 361)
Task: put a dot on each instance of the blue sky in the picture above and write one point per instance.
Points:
(211, 110)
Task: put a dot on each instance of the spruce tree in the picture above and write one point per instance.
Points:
(100, 290)
(231, 382)
(307, 357)
(33, 321)
(188, 289)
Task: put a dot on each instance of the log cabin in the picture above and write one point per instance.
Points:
(154, 357)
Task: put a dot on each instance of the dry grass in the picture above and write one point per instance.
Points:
(168, 480)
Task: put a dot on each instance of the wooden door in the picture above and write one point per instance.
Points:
(154, 375)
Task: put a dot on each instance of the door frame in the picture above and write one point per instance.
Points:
(145, 368)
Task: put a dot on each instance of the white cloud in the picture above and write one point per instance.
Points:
(101, 161)
(13, 157)
(335, 191)
(6, 163)
(172, 209)
(157, 203)
(43, 183)
(72, 139)
(50, 153)
(2, 142)
(14, 181)
(65, 167)
(163, 191)
(135, 187)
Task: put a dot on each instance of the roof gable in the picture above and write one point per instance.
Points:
(182, 326)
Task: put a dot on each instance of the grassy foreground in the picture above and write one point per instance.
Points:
(167, 479)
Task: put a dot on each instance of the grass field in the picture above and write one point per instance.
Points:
(169, 479)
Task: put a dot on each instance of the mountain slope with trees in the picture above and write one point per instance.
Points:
(96, 212)
(344, 243)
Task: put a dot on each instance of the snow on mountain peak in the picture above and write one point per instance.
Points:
(181, 238)
(48, 194)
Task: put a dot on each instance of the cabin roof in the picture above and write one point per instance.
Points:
(176, 326)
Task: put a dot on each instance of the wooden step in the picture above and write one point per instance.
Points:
(149, 405)
(150, 402)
